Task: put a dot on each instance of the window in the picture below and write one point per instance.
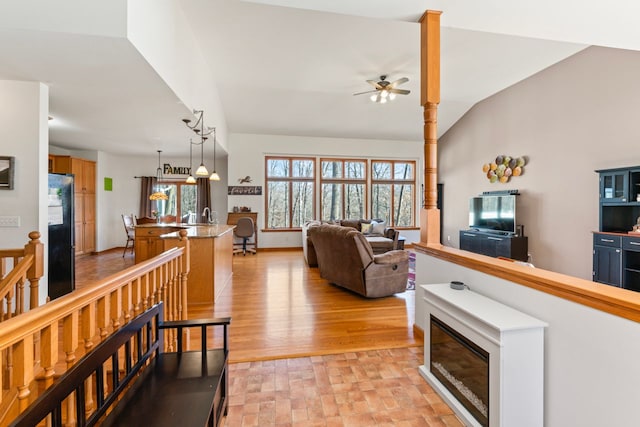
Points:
(343, 189)
(182, 199)
(290, 191)
(393, 187)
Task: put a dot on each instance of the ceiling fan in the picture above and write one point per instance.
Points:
(385, 91)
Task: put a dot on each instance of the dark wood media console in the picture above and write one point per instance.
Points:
(494, 244)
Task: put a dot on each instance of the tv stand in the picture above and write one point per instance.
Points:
(495, 244)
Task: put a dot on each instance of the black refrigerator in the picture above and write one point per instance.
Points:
(61, 235)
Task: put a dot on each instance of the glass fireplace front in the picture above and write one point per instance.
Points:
(462, 367)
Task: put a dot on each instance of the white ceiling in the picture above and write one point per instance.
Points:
(291, 66)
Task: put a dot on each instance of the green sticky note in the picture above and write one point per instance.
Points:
(108, 184)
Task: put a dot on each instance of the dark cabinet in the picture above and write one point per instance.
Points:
(631, 263)
(619, 199)
(607, 259)
(616, 260)
(494, 245)
(616, 254)
(614, 186)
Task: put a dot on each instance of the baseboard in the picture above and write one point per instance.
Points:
(418, 333)
(291, 248)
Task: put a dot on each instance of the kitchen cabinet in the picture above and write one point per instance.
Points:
(84, 172)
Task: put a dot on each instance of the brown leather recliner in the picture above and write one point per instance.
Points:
(346, 259)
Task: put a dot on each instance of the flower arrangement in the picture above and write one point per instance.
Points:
(154, 214)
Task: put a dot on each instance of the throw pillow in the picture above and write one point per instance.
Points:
(366, 228)
(378, 227)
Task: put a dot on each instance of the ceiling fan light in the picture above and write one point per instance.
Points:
(214, 176)
(191, 180)
(373, 98)
(383, 100)
(392, 96)
(384, 93)
(202, 170)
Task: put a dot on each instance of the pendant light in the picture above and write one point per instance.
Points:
(158, 195)
(214, 176)
(198, 128)
(202, 169)
(191, 179)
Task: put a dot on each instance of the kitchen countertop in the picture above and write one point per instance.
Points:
(194, 231)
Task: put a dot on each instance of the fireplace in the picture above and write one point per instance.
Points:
(462, 367)
(485, 359)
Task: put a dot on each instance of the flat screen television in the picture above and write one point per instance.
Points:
(493, 213)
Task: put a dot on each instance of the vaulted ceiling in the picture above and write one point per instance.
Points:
(291, 67)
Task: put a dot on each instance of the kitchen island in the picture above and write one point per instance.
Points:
(211, 255)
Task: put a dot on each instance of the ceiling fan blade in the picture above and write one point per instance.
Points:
(374, 84)
(398, 82)
(362, 93)
(400, 91)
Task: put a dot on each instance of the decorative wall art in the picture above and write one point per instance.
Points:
(6, 172)
(237, 190)
(503, 168)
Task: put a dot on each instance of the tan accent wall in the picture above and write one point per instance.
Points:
(570, 119)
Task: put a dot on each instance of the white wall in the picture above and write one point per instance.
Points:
(591, 357)
(24, 135)
(247, 153)
(160, 32)
(125, 196)
(569, 120)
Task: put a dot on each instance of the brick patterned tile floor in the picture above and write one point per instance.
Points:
(369, 388)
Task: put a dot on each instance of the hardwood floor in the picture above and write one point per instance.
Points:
(342, 359)
(281, 308)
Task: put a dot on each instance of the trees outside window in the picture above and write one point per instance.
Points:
(182, 199)
(289, 191)
(344, 187)
(393, 186)
(343, 183)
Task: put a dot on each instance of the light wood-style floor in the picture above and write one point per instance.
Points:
(281, 308)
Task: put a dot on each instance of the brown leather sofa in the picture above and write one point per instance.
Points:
(346, 259)
(381, 242)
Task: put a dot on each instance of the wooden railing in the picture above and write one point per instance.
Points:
(30, 343)
(27, 266)
(610, 299)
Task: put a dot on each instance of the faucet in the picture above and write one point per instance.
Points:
(212, 217)
(206, 212)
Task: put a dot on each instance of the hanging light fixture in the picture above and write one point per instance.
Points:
(191, 179)
(202, 169)
(158, 195)
(214, 176)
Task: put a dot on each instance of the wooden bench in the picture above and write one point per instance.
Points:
(134, 382)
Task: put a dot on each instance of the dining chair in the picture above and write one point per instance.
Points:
(129, 224)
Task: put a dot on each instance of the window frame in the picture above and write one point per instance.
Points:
(392, 182)
(178, 184)
(318, 180)
(343, 181)
(290, 180)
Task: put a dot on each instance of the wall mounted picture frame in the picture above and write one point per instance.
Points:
(7, 166)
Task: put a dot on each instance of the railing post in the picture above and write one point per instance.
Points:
(184, 267)
(35, 248)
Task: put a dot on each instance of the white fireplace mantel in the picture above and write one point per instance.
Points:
(514, 341)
